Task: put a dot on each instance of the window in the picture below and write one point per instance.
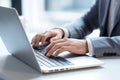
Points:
(63, 11)
(44, 13)
(5, 3)
(12, 3)
(36, 9)
(68, 5)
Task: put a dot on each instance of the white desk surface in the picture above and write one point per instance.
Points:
(13, 68)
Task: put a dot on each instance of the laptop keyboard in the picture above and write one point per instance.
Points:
(51, 61)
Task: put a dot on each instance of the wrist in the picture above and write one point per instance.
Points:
(86, 47)
(59, 31)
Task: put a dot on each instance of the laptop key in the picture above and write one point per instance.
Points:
(56, 62)
(64, 60)
(41, 63)
(50, 59)
(44, 63)
(60, 60)
(46, 60)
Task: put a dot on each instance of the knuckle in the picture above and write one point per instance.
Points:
(63, 47)
(65, 39)
(33, 39)
(53, 43)
(56, 45)
(53, 32)
(43, 36)
(50, 32)
(37, 35)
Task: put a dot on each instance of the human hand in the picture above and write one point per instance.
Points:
(47, 36)
(74, 46)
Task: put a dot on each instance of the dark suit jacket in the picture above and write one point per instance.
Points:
(97, 17)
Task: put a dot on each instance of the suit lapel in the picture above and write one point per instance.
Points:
(117, 18)
(105, 4)
(104, 10)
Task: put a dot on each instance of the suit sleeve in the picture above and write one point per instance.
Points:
(85, 25)
(106, 46)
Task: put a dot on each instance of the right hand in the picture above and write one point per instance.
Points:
(47, 36)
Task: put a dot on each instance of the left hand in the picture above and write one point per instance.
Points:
(74, 46)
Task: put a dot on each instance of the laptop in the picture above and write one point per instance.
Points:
(4, 77)
(14, 38)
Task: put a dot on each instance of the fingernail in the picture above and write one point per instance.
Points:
(52, 39)
(45, 50)
(47, 55)
(43, 43)
(36, 45)
(55, 54)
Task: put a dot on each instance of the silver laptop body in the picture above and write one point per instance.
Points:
(14, 37)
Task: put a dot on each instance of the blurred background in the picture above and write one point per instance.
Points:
(40, 15)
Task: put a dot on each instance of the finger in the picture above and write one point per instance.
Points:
(52, 44)
(62, 49)
(55, 38)
(54, 48)
(46, 36)
(35, 40)
(32, 42)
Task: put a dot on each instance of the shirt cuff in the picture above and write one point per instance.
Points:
(90, 47)
(66, 33)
